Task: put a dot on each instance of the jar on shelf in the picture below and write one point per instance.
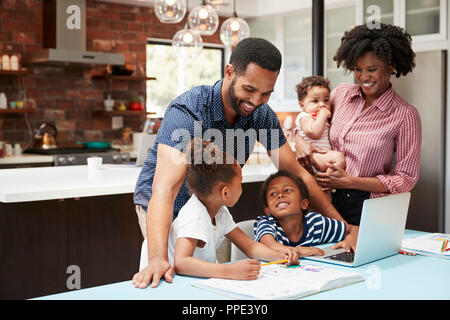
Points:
(6, 63)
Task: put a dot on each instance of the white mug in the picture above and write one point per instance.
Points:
(94, 163)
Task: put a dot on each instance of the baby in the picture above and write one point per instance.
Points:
(312, 122)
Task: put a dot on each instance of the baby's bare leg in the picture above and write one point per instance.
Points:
(324, 160)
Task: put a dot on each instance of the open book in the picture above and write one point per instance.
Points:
(428, 245)
(282, 282)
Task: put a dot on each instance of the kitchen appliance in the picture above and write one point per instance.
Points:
(64, 37)
(45, 139)
(78, 156)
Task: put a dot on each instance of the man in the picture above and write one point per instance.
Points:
(237, 103)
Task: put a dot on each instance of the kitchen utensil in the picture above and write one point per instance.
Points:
(45, 136)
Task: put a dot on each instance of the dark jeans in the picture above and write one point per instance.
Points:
(349, 203)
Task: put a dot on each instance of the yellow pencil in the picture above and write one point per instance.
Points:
(274, 262)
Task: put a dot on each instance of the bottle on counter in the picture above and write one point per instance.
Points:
(17, 150)
(3, 101)
(1, 149)
(8, 152)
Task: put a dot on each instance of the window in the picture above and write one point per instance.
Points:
(175, 75)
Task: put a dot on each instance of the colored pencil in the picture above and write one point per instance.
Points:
(274, 262)
(444, 242)
(406, 253)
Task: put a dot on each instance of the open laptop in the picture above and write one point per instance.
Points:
(380, 232)
(147, 142)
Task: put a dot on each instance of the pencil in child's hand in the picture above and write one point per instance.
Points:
(275, 262)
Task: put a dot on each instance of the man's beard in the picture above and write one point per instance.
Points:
(235, 101)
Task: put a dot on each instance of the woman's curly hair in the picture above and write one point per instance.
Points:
(390, 43)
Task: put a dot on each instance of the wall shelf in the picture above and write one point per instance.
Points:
(121, 77)
(16, 110)
(14, 72)
(125, 113)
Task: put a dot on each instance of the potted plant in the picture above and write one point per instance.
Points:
(137, 103)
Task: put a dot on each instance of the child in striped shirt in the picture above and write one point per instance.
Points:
(312, 123)
(287, 221)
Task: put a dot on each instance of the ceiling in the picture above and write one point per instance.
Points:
(244, 8)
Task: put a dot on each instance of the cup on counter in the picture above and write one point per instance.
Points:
(94, 168)
(94, 163)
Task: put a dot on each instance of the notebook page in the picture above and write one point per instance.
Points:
(431, 243)
(281, 282)
(316, 277)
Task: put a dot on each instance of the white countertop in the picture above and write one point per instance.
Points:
(27, 158)
(49, 183)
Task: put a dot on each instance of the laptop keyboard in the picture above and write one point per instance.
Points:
(343, 256)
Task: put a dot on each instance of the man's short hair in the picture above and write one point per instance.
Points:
(255, 50)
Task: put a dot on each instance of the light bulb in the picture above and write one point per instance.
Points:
(234, 26)
(203, 19)
(203, 13)
(188, 37)
(170, 11)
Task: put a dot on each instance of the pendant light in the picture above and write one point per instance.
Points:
(170, 11)
(204, 19)
(234, 29)
(218, 3)
(187, 43)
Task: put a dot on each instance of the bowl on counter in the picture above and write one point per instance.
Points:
(96, 144)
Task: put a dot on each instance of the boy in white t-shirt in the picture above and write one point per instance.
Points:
(313, 121)
(204, 221)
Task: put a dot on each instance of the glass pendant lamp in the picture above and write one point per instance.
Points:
(187, 43)
(204, 19)
(170, 11)
(234, 29)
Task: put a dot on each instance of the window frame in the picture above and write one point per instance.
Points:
(225, 52)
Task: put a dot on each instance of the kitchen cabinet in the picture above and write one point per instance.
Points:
(39, 240)
(425, 20)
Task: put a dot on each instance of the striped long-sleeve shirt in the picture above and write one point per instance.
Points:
(382, 141)
(317, 229)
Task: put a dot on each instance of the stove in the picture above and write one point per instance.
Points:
(78, 156)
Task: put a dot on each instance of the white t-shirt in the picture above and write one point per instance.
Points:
(193, 221)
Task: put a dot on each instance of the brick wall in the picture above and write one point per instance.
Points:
(67, 96)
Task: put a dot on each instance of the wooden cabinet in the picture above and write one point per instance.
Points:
(40, 240)
(33, 249)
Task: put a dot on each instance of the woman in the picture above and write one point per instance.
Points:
(378, 132)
